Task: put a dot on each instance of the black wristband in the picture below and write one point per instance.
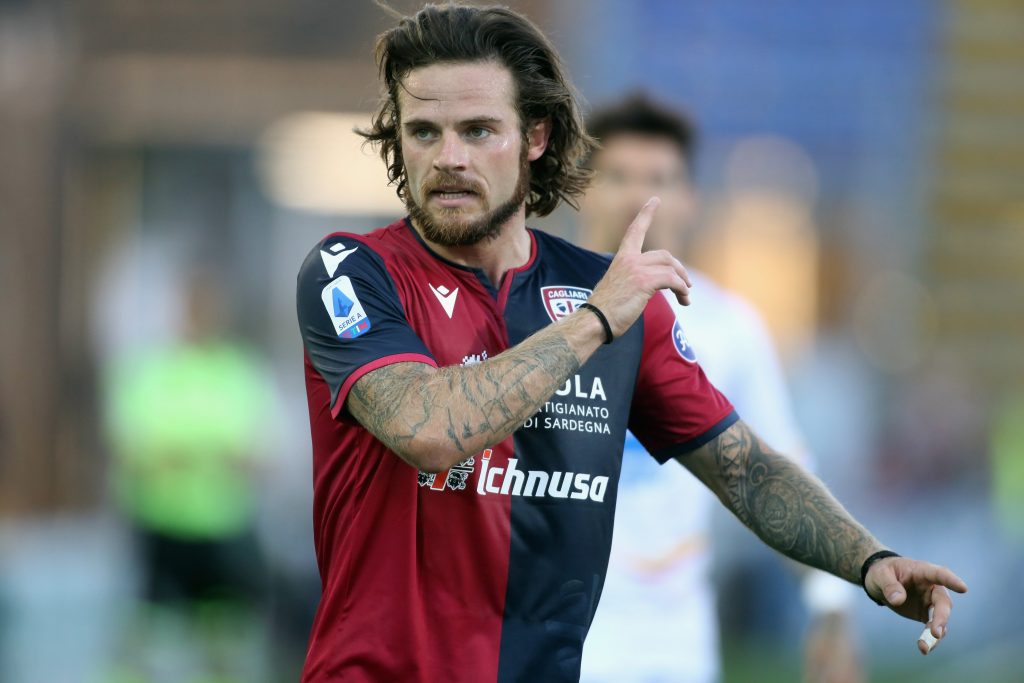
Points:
(608, 336)
(880, 555)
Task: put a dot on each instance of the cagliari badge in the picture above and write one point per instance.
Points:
(560, 301)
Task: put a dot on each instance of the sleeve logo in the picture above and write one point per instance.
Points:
(334, 256)
(681, 343)
(342, 304)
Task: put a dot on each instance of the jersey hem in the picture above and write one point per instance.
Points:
(665, 454)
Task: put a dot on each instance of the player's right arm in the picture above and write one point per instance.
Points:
(435, 417)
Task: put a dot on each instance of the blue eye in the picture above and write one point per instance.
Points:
(478, 133)
(423, 134)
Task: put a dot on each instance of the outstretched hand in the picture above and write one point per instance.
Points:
(915, 590)
(634, 276)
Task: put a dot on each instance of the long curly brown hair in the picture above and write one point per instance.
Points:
(459, 33)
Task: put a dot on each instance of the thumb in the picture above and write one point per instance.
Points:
(894, 593)
(892, 590)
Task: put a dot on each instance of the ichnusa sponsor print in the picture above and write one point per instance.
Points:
(511, 481)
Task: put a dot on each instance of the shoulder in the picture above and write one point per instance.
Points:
(354, 250)
(713, 302)
(726, 329)
(714, 294)
(565, 252)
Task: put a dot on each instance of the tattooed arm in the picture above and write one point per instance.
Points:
(433, 418)
(793, 512)
(786, 506)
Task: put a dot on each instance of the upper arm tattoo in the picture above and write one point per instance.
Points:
(790, 509)
(378, 400)
(466, 408)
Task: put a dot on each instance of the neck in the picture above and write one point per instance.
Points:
(510, 249)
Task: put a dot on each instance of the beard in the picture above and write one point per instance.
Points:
(448, 229)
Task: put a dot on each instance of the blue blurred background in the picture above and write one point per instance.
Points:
(166, 167)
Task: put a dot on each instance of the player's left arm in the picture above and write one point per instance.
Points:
(794, 513)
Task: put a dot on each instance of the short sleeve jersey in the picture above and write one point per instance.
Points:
(492, 570)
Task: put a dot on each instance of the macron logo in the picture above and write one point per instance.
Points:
(333, 259)
(445, 297)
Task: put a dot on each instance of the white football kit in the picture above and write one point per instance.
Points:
(656, 621)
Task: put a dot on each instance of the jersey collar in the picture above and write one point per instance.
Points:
(481, 276)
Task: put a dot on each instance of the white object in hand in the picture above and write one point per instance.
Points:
(926, 636)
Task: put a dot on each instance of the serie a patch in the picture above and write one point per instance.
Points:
(342, 304)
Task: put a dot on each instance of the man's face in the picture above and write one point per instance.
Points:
(630, 169)
(466, 160)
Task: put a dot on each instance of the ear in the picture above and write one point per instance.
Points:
(537, 138)
(691, 197)
(693, 204)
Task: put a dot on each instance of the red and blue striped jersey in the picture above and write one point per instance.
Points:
(492, 570)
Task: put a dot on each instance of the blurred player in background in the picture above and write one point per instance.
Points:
(188, 420)
(658, 604)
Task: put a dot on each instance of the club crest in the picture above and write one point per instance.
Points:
(560, 301)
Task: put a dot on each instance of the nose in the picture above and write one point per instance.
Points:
(451, 155)
(639, 192)
(632, 200)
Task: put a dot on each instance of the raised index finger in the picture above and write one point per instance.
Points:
(633, 240)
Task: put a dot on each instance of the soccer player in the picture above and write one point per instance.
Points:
(661, 547)
(470, 383)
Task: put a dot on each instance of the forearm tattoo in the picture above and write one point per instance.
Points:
(473, 407)
(790, 509)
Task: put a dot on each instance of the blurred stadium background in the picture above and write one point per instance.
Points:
(863, 171)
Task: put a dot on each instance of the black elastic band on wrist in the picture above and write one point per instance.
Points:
(880, 555)
(608, 336)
